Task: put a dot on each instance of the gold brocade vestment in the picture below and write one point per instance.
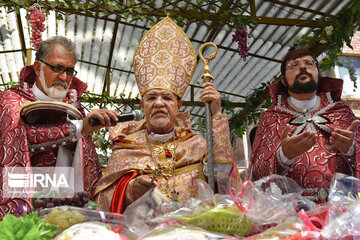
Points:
(132, 151)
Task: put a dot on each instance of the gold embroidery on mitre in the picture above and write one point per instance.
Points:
(164, 58)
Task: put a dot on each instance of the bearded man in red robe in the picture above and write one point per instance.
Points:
(66, 144)
(308, 133)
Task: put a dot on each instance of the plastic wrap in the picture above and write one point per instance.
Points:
(293, 228)
(217, 213)
(280, 231)
(343, 189)
(226, 220)
(140, 214)
(181, 232)
(344, 210)
(270, 201)
(344, 223)
(67, 216)
(251, 210)
(90, 231)
(244, 212)
(275, 199)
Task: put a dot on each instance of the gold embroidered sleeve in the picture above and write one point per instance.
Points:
(223, 152)
(126, 128)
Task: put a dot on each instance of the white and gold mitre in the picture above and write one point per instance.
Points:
(164, 58)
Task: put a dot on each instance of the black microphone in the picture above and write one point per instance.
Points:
(124, 117)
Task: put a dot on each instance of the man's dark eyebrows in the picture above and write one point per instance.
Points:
(168, 95)
(164, 95)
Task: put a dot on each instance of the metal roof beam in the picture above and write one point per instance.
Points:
(108, 68)
(285, 22)
(298, 7)
(137, 102)
(21, 33)
(197, 16)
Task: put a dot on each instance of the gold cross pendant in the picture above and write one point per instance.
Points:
(157, 173)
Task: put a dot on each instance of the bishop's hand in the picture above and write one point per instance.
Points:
(138, 187)
(296, 145)
(342, 139)
(211, 95)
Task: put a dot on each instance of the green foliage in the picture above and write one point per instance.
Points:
(92, 204)
(183, 12)
(103, 144)
(101, 138)
(27, 227)
(334, 32)
(252, 110)
(10, 84)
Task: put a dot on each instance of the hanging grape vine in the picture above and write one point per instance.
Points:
(36, 21)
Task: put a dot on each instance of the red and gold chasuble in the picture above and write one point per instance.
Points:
(313, 169)
(25, 146)
(177, 162)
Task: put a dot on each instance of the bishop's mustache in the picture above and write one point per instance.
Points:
(303, 72)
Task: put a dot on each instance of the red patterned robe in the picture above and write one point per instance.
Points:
(37, 145)
(313, 169)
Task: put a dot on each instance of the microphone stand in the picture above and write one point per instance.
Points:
(207, 78)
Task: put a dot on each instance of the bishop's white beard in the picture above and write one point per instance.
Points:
(160, 123)
(58, 92)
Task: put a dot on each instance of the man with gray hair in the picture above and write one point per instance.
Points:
(63, 144)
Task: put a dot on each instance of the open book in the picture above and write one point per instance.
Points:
(44, 112)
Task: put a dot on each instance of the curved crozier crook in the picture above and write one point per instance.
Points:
(207, 76)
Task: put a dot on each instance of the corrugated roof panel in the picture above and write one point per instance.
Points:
(93, 40)
(60, 27)
(70, 21)
(88, 53)
(9, 31)
(51, 23)
(96, 75)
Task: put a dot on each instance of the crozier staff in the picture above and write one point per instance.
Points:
(161, 151)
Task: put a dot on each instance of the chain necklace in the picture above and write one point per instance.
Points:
(164, 169)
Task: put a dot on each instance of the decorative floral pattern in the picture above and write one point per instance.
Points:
(163, 44)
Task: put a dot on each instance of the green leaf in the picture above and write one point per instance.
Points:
(75, 6)
(27, 227)
(93, 204)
